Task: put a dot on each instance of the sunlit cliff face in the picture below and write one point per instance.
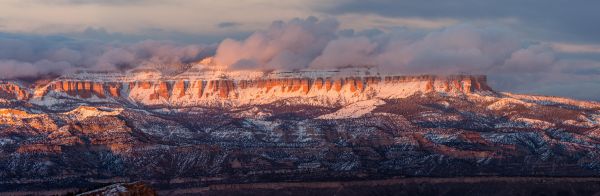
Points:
(202, 86)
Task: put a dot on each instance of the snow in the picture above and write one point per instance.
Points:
(311, 165)
(535, 123)
(354, 110)
(431, 116)
(584, 121)
(507, 103)
(303, 134)
(5, 141)
(444, 103)
(112, 190)
(253, 112)
(548, 100)
(83, 112)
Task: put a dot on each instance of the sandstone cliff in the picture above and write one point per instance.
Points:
(9, 90)
(219, 91)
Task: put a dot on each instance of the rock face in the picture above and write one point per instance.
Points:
(10, 90)
(82, 89)
(206, 92)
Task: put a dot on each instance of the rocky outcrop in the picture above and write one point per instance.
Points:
(39, 148)
(179, 88)
(98, 89)
(82, 89)
(9, 90)
(161, 89)
(20, 118)
(114, 89)
(198, 88)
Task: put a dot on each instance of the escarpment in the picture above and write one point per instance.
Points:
(210, 91)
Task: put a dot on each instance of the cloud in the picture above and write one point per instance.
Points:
(532, 59)
(459, 48)
(311, 43)
(12, 68)
(196, 17)
(284, 45)
(98, 2)
(228, 24)
(355, 51)
(367, 21)
(33, 55)
(573, 21)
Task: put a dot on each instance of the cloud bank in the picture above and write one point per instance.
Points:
(320, 44)
(32, 55)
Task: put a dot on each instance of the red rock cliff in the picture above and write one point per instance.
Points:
(228, 89)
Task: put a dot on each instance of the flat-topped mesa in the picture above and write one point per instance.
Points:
(189, 92)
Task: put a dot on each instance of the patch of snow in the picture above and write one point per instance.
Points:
(548, 100)
(312, 165)
(5, 141)
(302, 133)
(83, 112)
(253, 112)
(535, 123)
(507, 103)
(444, 103)
(354, 110)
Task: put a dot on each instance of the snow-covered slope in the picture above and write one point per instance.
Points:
(354, 110)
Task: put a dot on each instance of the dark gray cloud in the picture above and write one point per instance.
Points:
(550, 19)
(228, 24)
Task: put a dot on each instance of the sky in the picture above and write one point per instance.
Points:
(548, 47)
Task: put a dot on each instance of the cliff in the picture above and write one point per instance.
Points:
(9, 90)
(260, 90)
